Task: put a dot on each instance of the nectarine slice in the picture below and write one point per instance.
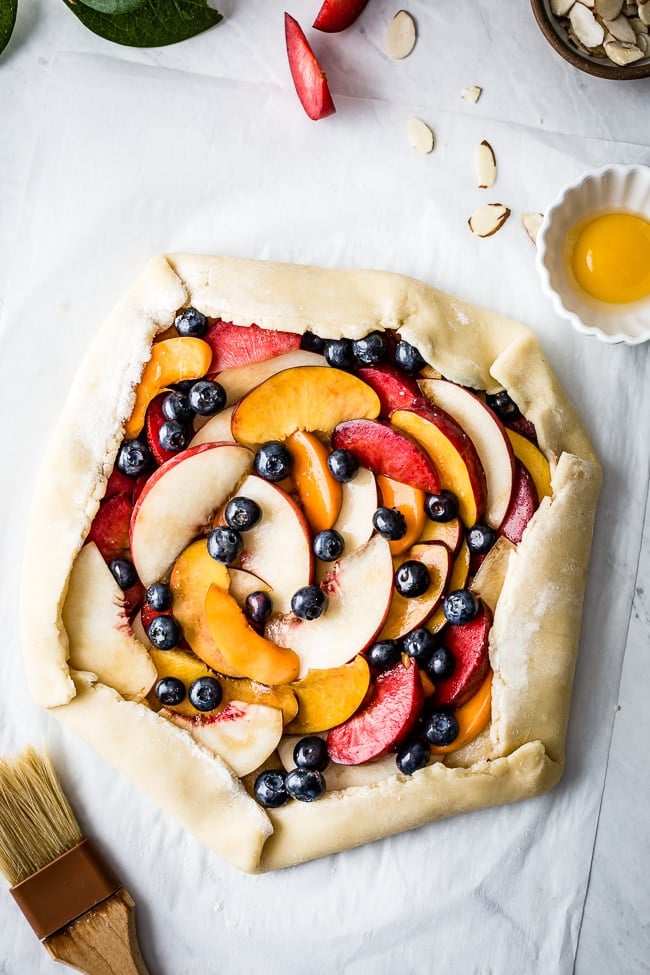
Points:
(306, 398)
(319, 493)
(407, 613)
(472, 718)
(469, 643)
(245, 649)
(328, 697)
(523, 506)
(457, 580)
(534, 461)
(172, 361)
(384, 450)
(450, 533)
(410, 501)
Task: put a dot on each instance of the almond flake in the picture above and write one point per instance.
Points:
(638, 26)
(420, 135)
(585, 26)
(532, 222)
(621, 53)
(486, 165)
(643, 43)
(471, 94)
(488, 219)
(621, 29)
(400, 36)
(644, 13)
(561, 7)
(608, 9)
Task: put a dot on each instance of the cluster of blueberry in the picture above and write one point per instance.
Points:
(305, 782)
(372, 350)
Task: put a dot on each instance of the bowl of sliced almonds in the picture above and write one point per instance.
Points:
(606, 38)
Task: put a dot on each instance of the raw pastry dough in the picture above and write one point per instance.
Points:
(534, 639)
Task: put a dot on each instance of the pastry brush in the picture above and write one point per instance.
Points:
(68, 893)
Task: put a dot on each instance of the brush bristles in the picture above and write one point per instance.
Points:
(36, 822)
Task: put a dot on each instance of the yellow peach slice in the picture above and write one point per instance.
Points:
(410, 501)
(534, 461)
(472, 718)
(405, 613)
(306, 398)
(457, 580)
(188, 668)
(193, 573)
(172, 361)
(319, 493)
(246, 650)
(329, 697)
(450, 533)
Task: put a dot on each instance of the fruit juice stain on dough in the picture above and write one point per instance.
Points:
(609, 256)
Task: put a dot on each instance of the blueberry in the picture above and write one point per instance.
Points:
(412, 578)
(159, 596)
(440, 728)
(343, 465)
(123, 572)
(441, 664)
(258, 607)
(273, 461)
(412, 755)
(383, 654)
(419, 645)
(207, 397)
(390, 523)
(173, 436)
(441, 507)
(242, 513)
(339, 354)
(170, 691)
(225, 544)
(480, 538)
(164, 633)
(205, 693)
(176, 406)
(134, 457)
(371, 349)
(191, 322)
(270, 788)
(309, 603)
(305, 784)
(328, 545)
(312, 342)
(311, 752)
(503, 405)
(408, 358)
(460, 606)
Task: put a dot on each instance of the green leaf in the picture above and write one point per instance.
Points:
(8, 10)
(114, 6)
(155, 23)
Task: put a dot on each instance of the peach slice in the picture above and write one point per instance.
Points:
(450, 533)
(472, 718)
(523, 506)
(457, 580)
(359, 588)
(186, 667)
(178, 500)
(534, 461)
(358, 505)
(306, 398)
(396, 390)
(488, 435)
(245, 649)
(216, 430)
(488, 581)
(319, 493)
(410, 501)
(244, 735)
(405, 614)
(384, 450)
(469, 643)
(172, 361)
(453, 453)
(193, 573)
(329, 697)
(242, 583)
(239, 380)
(239, 345)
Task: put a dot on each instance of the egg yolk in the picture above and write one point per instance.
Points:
(609, 256)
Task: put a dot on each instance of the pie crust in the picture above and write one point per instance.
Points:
(535, 634)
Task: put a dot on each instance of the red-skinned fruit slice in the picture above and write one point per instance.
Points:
(522, 507)
(469, 644)
(337, 15)
(119, 483)
(152, 424)
(308, 76)
(110, 528)
(384, 450)
(241, 345)
(390, 711)
(396, 390)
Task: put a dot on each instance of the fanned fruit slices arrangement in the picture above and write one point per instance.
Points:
(310, 538)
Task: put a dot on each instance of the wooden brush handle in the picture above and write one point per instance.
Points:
(103, 941)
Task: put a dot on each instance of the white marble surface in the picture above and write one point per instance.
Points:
(526, 85)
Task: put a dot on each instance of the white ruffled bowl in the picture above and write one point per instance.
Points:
(612, 188)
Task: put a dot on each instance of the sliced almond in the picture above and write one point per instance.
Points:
(585, 26)
(419, 135)
(532, 222)
(608, 9)
(644, 13)
(471, 94)
(643, 43)
(638, 26)
(561, 7)
(621, 29)
(486, 165)
(400, 36)
(488, 219)
(621, 53)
